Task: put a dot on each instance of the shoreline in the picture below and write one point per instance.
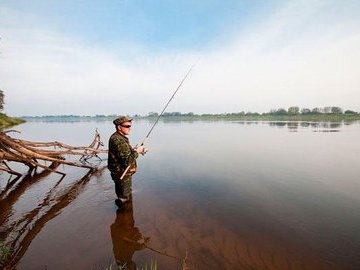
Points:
(7, 121)
(203, 117)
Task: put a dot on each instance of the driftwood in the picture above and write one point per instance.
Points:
(17, 235)
(36, 154)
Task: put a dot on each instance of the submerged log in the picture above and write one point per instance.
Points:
(35, 154)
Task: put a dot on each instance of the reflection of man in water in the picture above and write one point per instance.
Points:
(122, 155)
(126, 238)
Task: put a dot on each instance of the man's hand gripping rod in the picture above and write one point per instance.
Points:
(162, 112)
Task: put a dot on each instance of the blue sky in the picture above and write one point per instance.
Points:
(128, 56)
(153, 24)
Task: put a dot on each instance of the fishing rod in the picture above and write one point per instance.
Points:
(158, 118)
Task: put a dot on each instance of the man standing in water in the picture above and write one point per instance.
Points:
(122, 155)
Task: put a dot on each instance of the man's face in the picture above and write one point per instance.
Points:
(124, 128)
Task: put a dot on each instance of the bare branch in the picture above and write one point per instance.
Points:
(33, 154)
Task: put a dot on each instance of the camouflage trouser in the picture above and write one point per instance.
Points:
(123, 187)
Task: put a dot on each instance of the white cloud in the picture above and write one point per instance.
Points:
(303, 54)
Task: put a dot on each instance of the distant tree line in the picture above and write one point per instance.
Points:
(293, 110)
(167, 114)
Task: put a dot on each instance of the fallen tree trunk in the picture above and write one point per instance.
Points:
(35, 154)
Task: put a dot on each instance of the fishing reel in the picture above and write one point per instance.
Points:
(143, 152)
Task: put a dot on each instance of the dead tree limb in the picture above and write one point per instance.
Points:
(35, 155)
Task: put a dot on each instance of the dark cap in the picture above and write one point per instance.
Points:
(121, 119)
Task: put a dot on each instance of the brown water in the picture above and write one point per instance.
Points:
(226, 195)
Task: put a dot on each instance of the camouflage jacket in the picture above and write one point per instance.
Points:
(121, 155)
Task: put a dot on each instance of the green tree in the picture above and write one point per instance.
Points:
(1, 100)
(293, 110)
(305, 111)
(153, 114)
(336, 110)
(281, 111)
(327, 109)
(316, 111)
(349, 112)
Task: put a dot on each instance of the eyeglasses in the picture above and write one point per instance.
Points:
(126, 126)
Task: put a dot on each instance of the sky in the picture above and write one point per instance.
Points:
(128, 56)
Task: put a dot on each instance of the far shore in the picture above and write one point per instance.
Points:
(205, 117)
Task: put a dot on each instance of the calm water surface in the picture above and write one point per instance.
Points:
(226, 195)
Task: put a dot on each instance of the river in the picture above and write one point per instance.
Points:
(222, 194)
